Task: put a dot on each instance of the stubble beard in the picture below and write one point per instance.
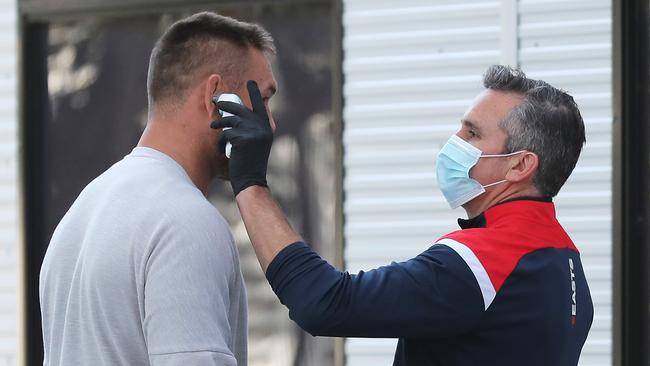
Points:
(221, 167)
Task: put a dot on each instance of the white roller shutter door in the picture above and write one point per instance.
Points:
(568, 44)
(411, 69)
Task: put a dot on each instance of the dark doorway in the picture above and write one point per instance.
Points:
(85, 106)
(632, 181)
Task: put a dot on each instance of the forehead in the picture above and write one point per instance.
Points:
(490, 107)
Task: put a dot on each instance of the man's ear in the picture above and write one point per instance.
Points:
(212, 87)
(524, 167)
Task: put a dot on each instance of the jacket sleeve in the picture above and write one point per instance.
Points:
(434, 294)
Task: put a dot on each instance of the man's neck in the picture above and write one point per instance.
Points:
(161, 136)
(480, 204)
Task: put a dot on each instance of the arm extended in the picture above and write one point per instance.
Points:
(433, 294)
(266, 224)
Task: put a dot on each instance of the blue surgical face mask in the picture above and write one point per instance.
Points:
(453, 164)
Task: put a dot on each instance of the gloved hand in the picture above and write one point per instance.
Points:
(251, 137)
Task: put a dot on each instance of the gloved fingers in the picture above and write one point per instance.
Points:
(225, 122)
(225, 138)
(234, 108)
(256, 100)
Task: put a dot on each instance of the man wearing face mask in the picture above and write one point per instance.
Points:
(506, 289)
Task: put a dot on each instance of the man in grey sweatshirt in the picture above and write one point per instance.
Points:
(143, 270)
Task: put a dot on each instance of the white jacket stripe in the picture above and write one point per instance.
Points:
(484, 283)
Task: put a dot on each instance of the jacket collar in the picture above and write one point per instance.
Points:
(502, 208)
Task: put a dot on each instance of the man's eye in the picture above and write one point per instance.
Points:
(472, 133)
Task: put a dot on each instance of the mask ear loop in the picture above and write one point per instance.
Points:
(494, 184)
(500, 156)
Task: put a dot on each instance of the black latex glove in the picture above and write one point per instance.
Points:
(251, 137)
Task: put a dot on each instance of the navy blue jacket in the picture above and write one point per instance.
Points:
(508, 289)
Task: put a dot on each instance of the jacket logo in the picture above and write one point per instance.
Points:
(573, 294)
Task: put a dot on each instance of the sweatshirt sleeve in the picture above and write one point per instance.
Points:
(433, 294)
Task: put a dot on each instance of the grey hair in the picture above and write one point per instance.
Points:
(547, 123)
(198, 45)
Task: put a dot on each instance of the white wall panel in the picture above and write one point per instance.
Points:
(411, 69)
(8, 186)
(569, 45)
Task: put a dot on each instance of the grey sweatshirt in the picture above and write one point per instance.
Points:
(143, 270)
